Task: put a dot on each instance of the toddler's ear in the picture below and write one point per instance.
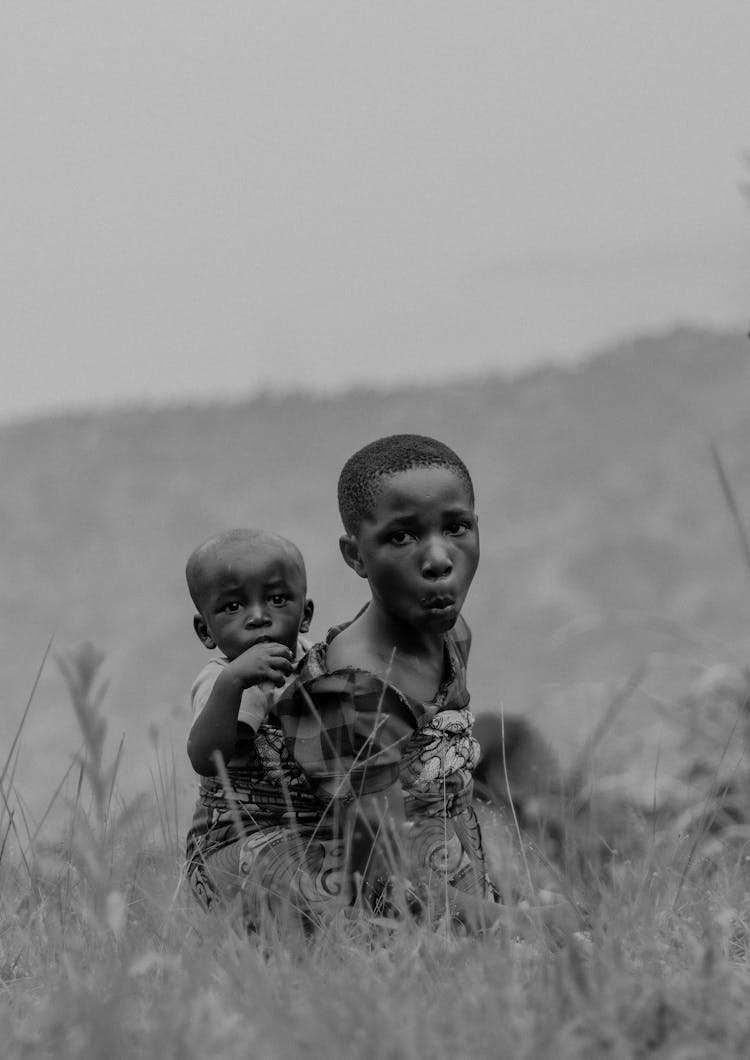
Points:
(307, 614)
(350, 551)
(201, 630)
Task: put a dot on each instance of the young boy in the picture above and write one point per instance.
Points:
(378, 717)
(249, 588)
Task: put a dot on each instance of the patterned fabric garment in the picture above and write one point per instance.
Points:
(268, 792)
(284, 872)
(353, 734)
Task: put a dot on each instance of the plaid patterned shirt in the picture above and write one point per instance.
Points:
(353, 733)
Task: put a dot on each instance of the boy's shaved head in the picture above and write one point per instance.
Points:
(361, 478)
(222, 546)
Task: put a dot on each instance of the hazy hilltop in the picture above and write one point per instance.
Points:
(605, 537)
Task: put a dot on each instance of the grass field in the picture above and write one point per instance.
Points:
(614, 572)
(103, 954)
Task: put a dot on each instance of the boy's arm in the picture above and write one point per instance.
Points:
(215, 728)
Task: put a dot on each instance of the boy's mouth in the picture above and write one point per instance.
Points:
(437, 603)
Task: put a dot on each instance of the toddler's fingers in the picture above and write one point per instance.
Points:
(280, 671)
(277, 650)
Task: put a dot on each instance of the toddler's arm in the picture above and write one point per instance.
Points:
(215, 727)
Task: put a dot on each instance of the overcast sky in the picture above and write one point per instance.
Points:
(202, 199)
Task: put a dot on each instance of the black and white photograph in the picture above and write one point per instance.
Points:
(375, 530)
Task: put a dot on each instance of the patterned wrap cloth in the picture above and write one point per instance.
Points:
(268, 797)
(261, 842)
(353, 734)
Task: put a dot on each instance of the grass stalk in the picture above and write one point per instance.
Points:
(731, 500)
(511, 804)
(707, 817)
(579, 767)
(24, 716)
(115, 769)
(50, 805)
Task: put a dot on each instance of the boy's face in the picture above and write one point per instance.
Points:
(249, 594)
(420, 548)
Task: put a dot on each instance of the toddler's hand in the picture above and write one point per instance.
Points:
(267, 661)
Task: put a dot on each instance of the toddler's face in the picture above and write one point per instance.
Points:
(251, 595)
(420, 548)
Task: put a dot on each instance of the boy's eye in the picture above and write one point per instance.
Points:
(232, 607)
(457, 529)
(401, 537)
(277, 599)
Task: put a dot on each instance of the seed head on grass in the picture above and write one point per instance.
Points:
(97, 835)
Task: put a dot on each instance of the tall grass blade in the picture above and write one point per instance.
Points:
(509, 792)
(175, 804)
(5, 838)
(12, 777)
(51, 803)
(14, 827)
(115, 768)
(25, 811)
(707, 818)
(25, 714)
(729, 497)
(579, 767)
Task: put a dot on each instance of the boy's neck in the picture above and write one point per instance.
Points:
(392, 636)
(411, 660)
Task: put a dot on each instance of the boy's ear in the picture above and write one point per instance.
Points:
(350, 551)
(307, 614)
(201, 629)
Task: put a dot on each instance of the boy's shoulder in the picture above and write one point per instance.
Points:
(460, 637)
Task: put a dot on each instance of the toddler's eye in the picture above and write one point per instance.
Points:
(401, 537)
(457, 529)
(232, 607)
(277, 599)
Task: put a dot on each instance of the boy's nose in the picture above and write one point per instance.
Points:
(255, 616)
(436, 560)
